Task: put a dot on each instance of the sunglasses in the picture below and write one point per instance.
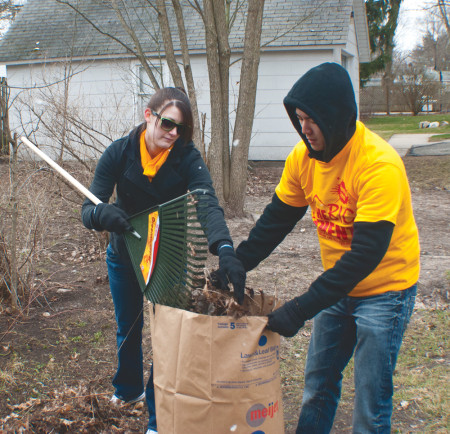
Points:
(169, 124)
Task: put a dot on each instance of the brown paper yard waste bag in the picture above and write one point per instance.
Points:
(215, 374)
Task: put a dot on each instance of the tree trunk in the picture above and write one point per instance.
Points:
(199, 142)
(138, 52)
(5, 131)
(218, 116)
(168, 44)
(221, 24)
(443, 10)
(64, 114)
(14, 224)
(387, 91)
(246, 107)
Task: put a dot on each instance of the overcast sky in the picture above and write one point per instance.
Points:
(411, 25)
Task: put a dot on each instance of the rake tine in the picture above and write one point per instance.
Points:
(182, 251)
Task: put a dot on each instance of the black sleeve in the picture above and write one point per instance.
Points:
(277, 220)
(102, 186)
(215, 226)
(369, 245)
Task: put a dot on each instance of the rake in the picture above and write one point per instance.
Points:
(170, 259)
(168, 247)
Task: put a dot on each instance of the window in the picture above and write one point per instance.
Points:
(344, 61)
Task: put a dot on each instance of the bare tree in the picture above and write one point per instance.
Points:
(60, 117)
(433, 51)
(173, 64)
(8, 11)
(228, 147)
(24, 211)
(246, 106)
(9, 261)
(417, 86)
(218, 18)
(444, 8)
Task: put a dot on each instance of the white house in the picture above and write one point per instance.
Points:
(57, 63)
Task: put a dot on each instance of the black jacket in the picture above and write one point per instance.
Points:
(120, 166)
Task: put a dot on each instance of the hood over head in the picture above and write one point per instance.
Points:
(325, 93)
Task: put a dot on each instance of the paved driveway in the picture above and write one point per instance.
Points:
(417, 144)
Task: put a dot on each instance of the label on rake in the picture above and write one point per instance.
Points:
(151, 248)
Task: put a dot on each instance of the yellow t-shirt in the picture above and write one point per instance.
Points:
(149, 164)
(365, 182)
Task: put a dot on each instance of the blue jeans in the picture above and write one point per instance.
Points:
(128, 305)
(372, 328)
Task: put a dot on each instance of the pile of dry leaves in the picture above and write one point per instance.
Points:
(208, 299)
(72, 410)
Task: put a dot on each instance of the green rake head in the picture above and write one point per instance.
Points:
(170, 256)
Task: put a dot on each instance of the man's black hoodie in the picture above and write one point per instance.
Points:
(325, 94)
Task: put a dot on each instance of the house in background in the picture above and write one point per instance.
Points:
(73, 86)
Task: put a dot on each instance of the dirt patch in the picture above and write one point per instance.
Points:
(57, 357)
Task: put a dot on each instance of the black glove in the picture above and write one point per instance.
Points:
(287, 320)
(231, 271)
(111, 218)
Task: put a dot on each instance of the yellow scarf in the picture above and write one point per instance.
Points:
(149, 164)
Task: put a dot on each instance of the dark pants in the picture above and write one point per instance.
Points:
(372, 328)
(128, 305)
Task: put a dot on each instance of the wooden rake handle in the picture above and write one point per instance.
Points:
(80, 187)
(94, 199)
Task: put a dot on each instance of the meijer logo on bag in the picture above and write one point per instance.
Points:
(258, 413)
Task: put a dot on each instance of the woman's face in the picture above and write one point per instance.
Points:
(157, 138)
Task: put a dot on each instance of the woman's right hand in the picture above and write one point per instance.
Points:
(231, 271)
(112, 218)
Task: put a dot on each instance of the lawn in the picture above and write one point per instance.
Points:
(386, 126)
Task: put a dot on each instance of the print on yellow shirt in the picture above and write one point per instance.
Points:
(335, 220)
(365, 182)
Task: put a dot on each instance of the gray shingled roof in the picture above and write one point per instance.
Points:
(46, 29)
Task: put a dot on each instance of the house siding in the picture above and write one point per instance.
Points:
(101, 94)
(273, 135)
(104, 93)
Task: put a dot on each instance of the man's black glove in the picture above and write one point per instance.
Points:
(287, 320)
(111, 218)
(231, 271)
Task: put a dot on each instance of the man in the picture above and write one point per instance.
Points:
(360, 200)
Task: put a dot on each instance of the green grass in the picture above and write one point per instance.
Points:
(386, 126)
(438, 137)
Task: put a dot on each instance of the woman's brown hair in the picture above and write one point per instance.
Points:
(174, 96)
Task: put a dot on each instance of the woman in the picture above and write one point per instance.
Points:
(155, 163)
